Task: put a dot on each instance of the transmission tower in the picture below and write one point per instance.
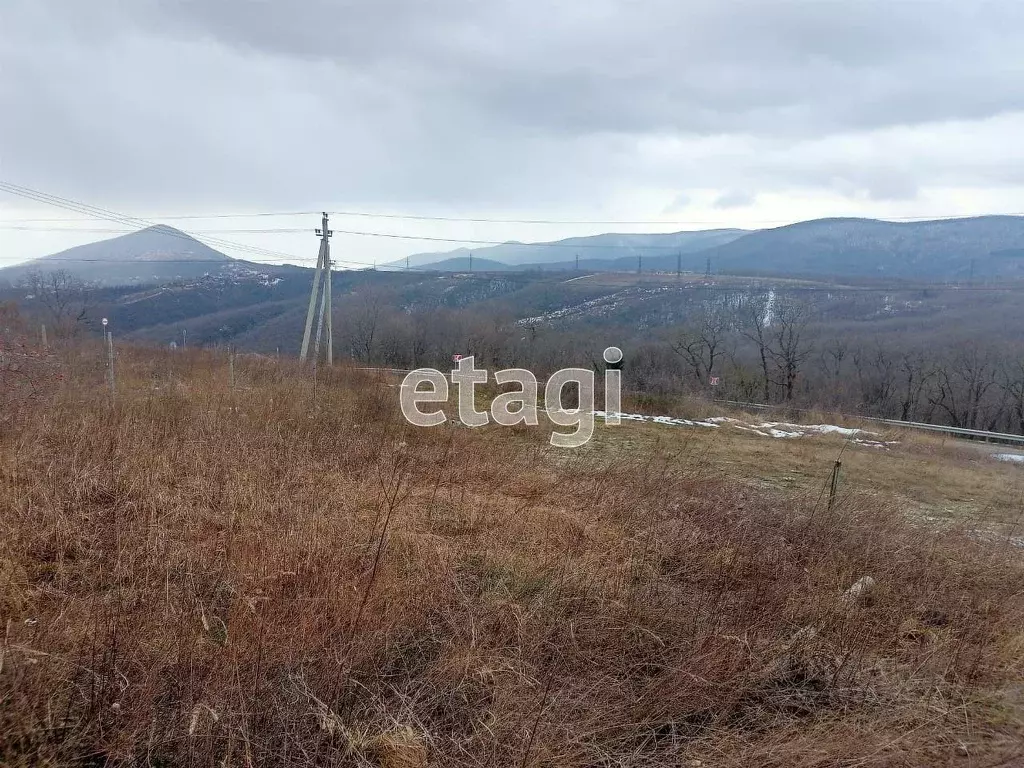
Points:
(321, 279)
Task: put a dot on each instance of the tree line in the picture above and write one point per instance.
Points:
(768, 346)
(763, 347)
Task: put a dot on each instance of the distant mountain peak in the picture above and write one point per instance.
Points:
(165, 229)
(155, 254)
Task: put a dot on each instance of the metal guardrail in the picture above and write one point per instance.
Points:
(993, 437)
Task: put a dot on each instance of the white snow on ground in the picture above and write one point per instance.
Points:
(779, 429)
(801, 429)
(875, 443)
(1016, 458)
(658, 419)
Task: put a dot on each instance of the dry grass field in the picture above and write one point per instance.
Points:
(283, 573)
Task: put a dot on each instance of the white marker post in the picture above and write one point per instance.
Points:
(108, 337)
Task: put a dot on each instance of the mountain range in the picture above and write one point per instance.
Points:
(159, 285)
(985, 248)
(593, 248)
(950, 249)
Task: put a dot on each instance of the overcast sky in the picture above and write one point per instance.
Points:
(695, 114)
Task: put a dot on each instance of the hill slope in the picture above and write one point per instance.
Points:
(602, 247)
(924, 250)
(177, 580)
(467, 264)
(155, 254)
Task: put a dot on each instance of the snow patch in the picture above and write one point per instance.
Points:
(777, 429)
(1014, 458)
(822, 429)
(656, 419)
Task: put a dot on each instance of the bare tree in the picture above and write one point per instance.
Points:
(756, 319)
(788, 348)
(361, 321)
(64, 298)
(1012, 384)
(419, 336)
(833, 362)
(833, 355)
(876, 376)
(701, 344)
(915, 372)
(962, 384)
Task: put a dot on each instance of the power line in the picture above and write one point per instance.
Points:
(72, 260)
(118, 218)
(714, 223)
(274, 231)
(353, 232)
(100, 213)
(168, 217)
(496, 220)
(718, 223)
(559, 244)
(758, 282)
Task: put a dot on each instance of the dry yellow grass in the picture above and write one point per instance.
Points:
(925, 475)
(287, 574)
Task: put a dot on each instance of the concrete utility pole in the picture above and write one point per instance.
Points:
(679, 265)
(323, 313)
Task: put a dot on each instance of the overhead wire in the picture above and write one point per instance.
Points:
(136, 222)
(96, 212)
(498, 220)
(119, 218)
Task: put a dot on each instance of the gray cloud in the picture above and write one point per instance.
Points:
(770, 66)
(497, 108)
(678, 204)
(734, 198)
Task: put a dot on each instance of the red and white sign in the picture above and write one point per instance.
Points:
(456, 358)
(713, 381)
